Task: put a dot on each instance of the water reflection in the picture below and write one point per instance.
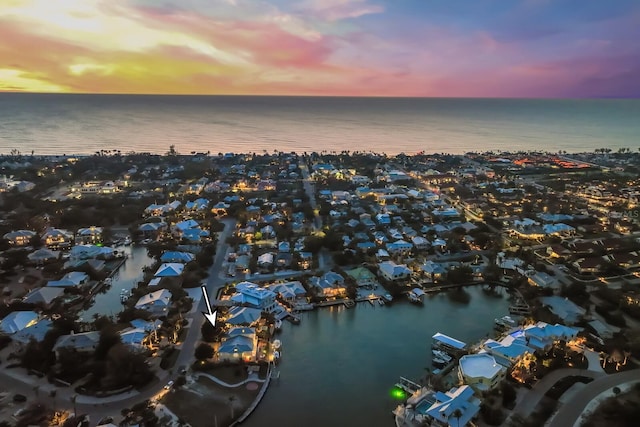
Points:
(107, 302)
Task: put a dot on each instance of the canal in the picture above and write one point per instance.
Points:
(339, 365)
(107, 302)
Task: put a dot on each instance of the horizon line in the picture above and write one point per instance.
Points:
(240, 95)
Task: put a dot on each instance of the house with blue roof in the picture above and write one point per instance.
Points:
(17, 321)
(251, 295)
(239, 345)
(457, 407)
(177, 257)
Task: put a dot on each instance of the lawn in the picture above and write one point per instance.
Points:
(223, 404)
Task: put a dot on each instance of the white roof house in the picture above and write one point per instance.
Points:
(480, 371)
(82, 342)
(43, 296)
(392, 271)
(250, 294)
(157, 302)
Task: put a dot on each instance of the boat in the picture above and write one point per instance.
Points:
(124, 295)
(381, 301)
(276, 355)
(349, 303)
(278, 324)
(416, 295)
(127, 241)
(439, 354)
(505, 322)
(277, 344)
(387, 297)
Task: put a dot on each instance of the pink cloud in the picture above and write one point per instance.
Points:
(335, 10)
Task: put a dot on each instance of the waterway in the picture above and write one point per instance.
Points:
(107, 302)
(339, 365)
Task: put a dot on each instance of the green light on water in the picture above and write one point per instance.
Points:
(398, 393)
(99, 244)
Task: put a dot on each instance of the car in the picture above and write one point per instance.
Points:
(169, 385)
(183, 370)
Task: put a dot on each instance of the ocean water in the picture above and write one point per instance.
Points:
(84, 124)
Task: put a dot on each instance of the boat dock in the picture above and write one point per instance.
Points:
(408, 386)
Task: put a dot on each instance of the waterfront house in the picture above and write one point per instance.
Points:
(80, 252)
(290, 292)
(433, 271)
(330, 284)
(480, 371)
(85, 342)
(454, 408)
(393, 272)
(509, 349)
(70, 280)
(17, 321)
(88, 235)
(239, 344)
(250, 294)
(157, 303)
(19, 237)
(362, 275)
(543, 280)
(169, 269)
(43, 297)
(246, 316)
(177, 257)
(55, 238)
(151, 230)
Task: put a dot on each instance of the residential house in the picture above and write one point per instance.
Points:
(330, 284)
(246, 316)
(157, 303)
(73, 279)
(42, 256)
(480, 371)
(85, 342)
(169, 269)
(455, 408)
(17, 321)
(55, 238)
(19, 237)
(239, 345)
(590, 265)
(43, 297)
(152, 230)
(393, 272)
(252, 295)
(543, 280)
(177, 257)
(89, 235)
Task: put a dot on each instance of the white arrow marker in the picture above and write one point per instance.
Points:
(209, 315)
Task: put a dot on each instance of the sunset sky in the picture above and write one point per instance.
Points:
(444, 48)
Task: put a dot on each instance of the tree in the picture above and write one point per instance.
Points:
(204, 351)
(109, 337)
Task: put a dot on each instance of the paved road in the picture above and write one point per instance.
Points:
(531, 399)
(17, 381)
(573, 408)
(309, 188)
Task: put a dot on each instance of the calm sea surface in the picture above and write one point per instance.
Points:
(339, 365)
(84, 124)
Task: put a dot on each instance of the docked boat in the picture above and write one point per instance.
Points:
(416, 295)
(439, 354)
(387, 297)
(278, 324)
(277, 344)
(126, 241)
(505, 322)
(124, 295)
(381, 301)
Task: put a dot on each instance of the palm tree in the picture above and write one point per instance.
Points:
(457, 414)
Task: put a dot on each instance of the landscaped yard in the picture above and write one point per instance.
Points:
(222, 404)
